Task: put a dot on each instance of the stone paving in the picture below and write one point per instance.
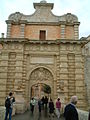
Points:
(35, 116)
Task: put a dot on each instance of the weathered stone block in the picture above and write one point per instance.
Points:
(2, 112)
(83, 115)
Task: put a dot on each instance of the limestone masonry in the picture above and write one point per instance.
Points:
(44, 49)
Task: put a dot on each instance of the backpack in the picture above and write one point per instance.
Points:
(7, 103)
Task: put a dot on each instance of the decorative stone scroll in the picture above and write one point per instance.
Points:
(16, 17)
(70, 18)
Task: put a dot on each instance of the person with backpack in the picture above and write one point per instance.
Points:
(9, 105)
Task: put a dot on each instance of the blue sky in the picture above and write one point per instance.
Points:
(81, 8)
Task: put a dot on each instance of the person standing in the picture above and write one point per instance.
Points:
(32, 104)
(43, 101)
(46, 102)
(51, 108)
(70, 112)
(39, 105)
(58, 106)
(9, 105)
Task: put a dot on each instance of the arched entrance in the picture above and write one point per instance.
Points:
(39, 90)
(41, 79)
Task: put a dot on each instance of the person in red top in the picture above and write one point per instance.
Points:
(58, 106)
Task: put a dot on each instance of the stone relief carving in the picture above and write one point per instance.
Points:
(42, 48)
(16, 17)
(87, 51)
(69, 18)
(19, 85)
(41, 74)
(61, 85)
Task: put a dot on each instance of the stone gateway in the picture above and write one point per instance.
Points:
(42, 49)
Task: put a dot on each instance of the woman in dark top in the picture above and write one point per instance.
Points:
(51, 108)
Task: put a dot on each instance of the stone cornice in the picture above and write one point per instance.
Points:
(16, 23)
(41, 23)
(26, 41)
(53, 23)
(43, 4)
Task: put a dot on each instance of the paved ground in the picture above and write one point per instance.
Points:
(35, 116)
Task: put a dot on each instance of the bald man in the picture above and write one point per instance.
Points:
(70, 112)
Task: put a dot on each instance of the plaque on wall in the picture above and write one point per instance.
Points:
(44, 60)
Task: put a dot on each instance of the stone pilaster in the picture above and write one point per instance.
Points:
(11, 71)
(80, 84)
(24, 73)
(62, 31)
(63, 73)
(71, 75)
(22, 28)
(8, 30)
(63, 84)
(18, 71)
(58, 73)
(87, 77)
(3, 76)
(76, 32)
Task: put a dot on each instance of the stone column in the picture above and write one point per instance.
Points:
(76, 32)
(63, 31)
(22, 27)
(8, 30)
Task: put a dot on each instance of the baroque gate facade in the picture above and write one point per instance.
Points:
(42, 49)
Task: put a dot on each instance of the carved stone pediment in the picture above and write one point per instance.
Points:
(43, 14)
(69, 18)
(16, 17)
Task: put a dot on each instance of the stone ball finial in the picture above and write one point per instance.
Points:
(43, 1)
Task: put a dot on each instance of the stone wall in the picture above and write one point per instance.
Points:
(63, 62)
(2, 113)
(86, 53)
(83, 115)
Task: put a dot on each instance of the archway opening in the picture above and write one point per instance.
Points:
(39, 90)
(41, 81)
